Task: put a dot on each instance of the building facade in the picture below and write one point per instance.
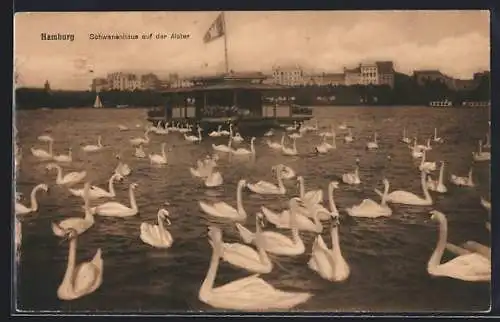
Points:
(385, 72)
(369, 74)
(352, 76)
(288, 76)
(123, 81)
(99, 84)
(150, 82)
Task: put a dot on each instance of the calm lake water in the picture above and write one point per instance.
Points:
(387, 257)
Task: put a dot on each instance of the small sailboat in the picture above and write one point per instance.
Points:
(97, 103)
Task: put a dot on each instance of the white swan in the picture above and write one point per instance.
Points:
(269, 133)
(141, 140)
(311, 197)
(426, 165)
(436, 138)
(469, 267)
(349, 138)
(43, 154)
(481, 155)
(222, 147)
(486, 204)
(295, 135)
(193, 138)
(115, 209)
(370, 209)
(283, 219)
(372, 145)
(463, 181)
(214, 179)
(93, 147)
(290, 151)
(292, 128)
(21, 209)
(160, 130)
(243, 151)
(276, 145)
(83, 279)
(275, 242)
(408, 198)
(226, 132)
(267, 188)
(487, 145)
(238, 138)
(416, 152)
(309, 128)
(243, 256)
(45, 138)
(159, 158)
(286, 171)
(246, 294)
(223, 210)
(204, 169)
(405, 139)
(469, 247)
(216, 133)
(312, 206)
(78, 224)
(96, 192)
(68, 179)
(343, 126)
(157, 235)
(329, 263)
(122, 127)
(425, 147)
(139, 152)
(437, 185)
(352, 177)
(323, 147)
(328, 134)
(122, 168)
(64, 157)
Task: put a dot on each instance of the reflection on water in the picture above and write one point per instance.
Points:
(387, 256)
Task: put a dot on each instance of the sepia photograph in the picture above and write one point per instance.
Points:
(262, 161)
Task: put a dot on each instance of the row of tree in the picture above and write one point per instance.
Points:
(406, 91)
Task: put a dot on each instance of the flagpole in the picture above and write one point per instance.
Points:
(225, 42)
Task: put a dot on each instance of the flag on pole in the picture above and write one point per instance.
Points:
(216, 30)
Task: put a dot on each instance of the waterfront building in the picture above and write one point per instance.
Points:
(99, 84)
(423, 76)
(352, 76)
(123, 81)
(385, 72)
(369, 74)
(150, 82)
(288, 76)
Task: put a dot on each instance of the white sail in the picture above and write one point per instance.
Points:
(97, 103)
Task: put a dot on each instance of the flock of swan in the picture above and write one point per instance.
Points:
(305, 213)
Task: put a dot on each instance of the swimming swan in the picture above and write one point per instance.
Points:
(405, 139)
(139, 152)
(267, 188)
(223, 210)
(243, 151)
(92, 147)
(222, 147)
(436, 138)
(481, 155)
(372, 145)
(425, 165)
(329, 263)
(468, 267)
(352, 177)
(370, 209)
(42, 154)
(286, 171)
(438, 185)
(276, 145)
(68, 179)
(64, 157)
(157, 235)
(216, 133)
(96, 192)
(193, 138)
(159, 158)
(214, 179)
(408, 198)
(122, 168)
(115, 209)
(21, 209)
(141, 140)
(83, 279)
(243, 256)
(246, 294)
(283, 219)
(463, 181)
(290, 151)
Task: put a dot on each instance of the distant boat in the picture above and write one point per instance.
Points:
(443, 103)
(97, 103)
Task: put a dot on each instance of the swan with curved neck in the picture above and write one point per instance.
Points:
(115, 209)
(157, 235)
(269, 133)
(42, 154)
(438, 185)
(373, 144)
(83, 279)
(290, 151)
(238, 138)
(214, 179)
(329, 263)
(348, 138)
(78, 224)
(96, 192)
(286, 171)
(312, 209)
(21, 209)
(470, 267)
(68, 179)
(416, 152)
(405, 139)
(93, 147)
(226, 132)
(276, 145)
(243, 151)
(243, 256)
(323, 147)
(222, 147)
(247, 294)
(267, 188)
(487, 145)
(352, 177)
(141, 140)
(283, 220)
(436, 138)
(159, 158)
(275, 242)
(193, 138)
(64, 157)
(216, 133)
(370, 209)
(223, 210)
(481, 155)
(122, 168)
(463, 181)
(408, 198)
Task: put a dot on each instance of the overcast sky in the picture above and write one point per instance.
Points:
(456, 42)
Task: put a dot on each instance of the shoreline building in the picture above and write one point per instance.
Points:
(424, 76)
(288, 75)
(376, 73)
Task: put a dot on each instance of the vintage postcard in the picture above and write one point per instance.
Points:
(294, 161)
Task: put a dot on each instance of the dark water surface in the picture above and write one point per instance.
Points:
(388, 257)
